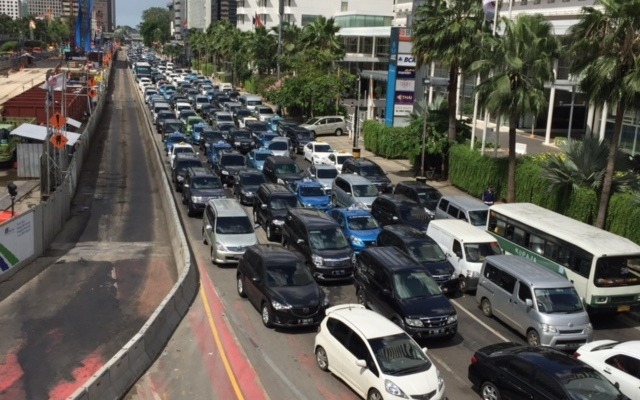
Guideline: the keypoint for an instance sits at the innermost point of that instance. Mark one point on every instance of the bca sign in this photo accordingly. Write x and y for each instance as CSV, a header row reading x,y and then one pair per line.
x,y
407,60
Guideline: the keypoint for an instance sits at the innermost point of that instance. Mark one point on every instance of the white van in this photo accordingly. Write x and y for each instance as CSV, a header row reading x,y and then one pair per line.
x,y
226,87
465,247
250,101
540,304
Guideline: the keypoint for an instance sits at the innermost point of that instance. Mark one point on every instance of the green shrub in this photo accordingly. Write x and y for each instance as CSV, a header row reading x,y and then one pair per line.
x,y
390,142
623,217
9,46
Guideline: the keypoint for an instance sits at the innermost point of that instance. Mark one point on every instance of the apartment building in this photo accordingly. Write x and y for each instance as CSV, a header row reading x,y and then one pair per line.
x,y
12,8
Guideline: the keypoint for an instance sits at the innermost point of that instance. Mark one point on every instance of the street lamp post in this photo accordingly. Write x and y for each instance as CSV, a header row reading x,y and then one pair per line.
x,y
13,192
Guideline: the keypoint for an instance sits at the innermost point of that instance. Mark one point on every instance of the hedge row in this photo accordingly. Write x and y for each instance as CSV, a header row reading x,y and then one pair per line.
x,y
389,142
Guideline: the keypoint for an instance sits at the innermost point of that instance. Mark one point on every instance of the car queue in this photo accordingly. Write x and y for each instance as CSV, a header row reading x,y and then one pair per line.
x,y
335,233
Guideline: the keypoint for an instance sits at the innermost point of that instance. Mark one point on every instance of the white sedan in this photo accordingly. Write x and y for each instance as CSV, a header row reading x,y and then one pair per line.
x,y
318,152
619,362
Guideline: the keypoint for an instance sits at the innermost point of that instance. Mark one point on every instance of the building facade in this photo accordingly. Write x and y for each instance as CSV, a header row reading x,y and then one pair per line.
x,y
45,8
198,14
12,8
224,10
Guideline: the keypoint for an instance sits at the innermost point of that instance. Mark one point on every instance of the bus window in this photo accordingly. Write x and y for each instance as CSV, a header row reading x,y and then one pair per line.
x,y
536,244
551,250
519,236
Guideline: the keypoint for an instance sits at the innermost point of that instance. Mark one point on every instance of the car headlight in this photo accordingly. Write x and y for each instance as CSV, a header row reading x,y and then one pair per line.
x,y
413,322
277,222
236,143
225,172
220,247
589,327
307,204
549,328
197,199
280,306
452,318
440,381
393,389
317,260
356,241
246,193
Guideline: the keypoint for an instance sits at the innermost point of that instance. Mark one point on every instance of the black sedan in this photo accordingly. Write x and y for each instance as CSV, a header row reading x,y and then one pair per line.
x,y
280,286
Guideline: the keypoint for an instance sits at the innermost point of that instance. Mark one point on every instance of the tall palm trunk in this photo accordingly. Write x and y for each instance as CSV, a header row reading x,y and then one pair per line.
x,y
511,178
605,195
452,101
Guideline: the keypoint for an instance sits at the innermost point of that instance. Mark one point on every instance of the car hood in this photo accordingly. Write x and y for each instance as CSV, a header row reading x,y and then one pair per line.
x,y
420,382
439,267
288,178
378,179
368,235
237,240
315,200
249,188
212,193
427,306
280,152
233,170
333,254
365,200
419,225
310,295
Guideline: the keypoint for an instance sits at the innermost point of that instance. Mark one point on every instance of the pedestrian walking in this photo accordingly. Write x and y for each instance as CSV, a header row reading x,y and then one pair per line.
x,y
488,197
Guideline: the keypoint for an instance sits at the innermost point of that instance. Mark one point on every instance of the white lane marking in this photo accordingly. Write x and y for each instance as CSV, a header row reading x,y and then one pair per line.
x,y
504,339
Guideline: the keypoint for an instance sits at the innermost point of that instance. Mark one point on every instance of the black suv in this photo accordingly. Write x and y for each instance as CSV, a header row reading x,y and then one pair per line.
x,y
269,275
370,170
228,165
390,282
181,164
200,185
270,205
320,241
424,250
241,140
246,184
425,195
171,125
209,138
298,136
389,209
281,169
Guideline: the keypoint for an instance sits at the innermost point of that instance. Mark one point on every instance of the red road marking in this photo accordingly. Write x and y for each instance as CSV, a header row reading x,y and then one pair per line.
x,y
90,365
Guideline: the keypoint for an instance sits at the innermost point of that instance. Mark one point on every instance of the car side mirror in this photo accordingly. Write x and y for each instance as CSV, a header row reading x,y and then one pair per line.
x,y
528,302
263,206
348,193
300,241
424,350
208,227
361,363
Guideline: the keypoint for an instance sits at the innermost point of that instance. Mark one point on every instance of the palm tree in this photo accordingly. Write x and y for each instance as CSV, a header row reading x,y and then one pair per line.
x,y
448,31
322,35
522,62
604,55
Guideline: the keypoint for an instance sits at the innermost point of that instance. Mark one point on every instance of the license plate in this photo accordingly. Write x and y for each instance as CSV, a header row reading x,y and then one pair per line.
x,y
624,308
337,272
306,321
436,331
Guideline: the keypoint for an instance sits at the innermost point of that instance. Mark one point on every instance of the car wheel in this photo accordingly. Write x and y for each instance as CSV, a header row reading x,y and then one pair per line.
x,y
489,391
266,315
240,286
269,233
374,395
212,256
462,284
190,210
322,359
485,304
255,217
361,296
533,339
338,132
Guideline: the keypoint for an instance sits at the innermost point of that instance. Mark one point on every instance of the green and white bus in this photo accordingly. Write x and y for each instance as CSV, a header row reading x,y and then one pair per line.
x,y
604,267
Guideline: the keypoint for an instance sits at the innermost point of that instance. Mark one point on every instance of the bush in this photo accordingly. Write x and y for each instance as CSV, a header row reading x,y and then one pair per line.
x,y
9,46
390,142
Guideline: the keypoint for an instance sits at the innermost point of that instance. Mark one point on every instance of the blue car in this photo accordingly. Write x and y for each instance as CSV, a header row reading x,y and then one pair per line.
x,y
256,158
168,94
358,225
196,132
215,149
311,194
173,138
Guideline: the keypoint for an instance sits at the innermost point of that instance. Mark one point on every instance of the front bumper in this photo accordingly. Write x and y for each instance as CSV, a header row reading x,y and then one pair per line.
x,y
228,256
432,331
298,317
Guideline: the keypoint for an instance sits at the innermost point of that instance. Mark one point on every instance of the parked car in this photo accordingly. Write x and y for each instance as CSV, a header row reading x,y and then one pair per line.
x,y
279,169
391,209
256,158
422,193
423,250
353,189
199,186
327,125
370,170
390,282
227,229
358,225
374,356
246,184
325,174
270,205
512,371
619,362
320,241
280,287
311,194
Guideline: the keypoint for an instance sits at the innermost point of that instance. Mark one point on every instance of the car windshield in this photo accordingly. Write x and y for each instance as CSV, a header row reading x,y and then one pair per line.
x,y
265,110
558,300
413,214
478,218
267,137
304,135
260,156
617,271
252,179
184,164
327,239
323,148
429,198
213,136
371,170
172,127
426,252
312,191
362,223
233,225
241,135
278,146
178,150
477,252
365,191
209,182
224,117
587,383
281,203
288,275
232,160
287,169
398,355
413,284
342,159
326,173
312,121
187,114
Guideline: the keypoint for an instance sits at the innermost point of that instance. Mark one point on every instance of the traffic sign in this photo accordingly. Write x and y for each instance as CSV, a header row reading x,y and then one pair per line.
x,y
57,120
59,141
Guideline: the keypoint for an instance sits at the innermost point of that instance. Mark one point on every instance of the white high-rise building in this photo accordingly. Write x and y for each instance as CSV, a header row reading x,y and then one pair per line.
x,y
11,8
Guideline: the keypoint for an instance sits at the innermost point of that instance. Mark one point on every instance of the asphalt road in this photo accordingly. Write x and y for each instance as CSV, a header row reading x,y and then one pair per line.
x,y
193,364
107,270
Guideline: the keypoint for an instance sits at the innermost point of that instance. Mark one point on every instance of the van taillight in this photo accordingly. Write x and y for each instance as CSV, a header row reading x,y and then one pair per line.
x,y
474,360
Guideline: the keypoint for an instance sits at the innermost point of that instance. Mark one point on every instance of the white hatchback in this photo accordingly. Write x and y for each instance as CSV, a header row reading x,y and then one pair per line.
x,y
619,362
374,356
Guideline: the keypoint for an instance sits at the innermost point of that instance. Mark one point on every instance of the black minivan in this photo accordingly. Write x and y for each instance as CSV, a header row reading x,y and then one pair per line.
x,y
281,169
319,240
270,204
393,284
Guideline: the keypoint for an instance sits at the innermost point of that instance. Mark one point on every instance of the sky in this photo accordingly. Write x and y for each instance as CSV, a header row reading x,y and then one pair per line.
x,y
129,12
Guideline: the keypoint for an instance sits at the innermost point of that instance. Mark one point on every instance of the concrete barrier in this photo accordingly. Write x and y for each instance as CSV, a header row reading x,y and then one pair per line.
x,y
139,361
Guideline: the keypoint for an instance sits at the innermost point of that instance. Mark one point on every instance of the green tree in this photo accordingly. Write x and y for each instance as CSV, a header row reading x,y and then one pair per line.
x,y
264,47
522,63
59,30
448,31
155,26
604,55
322,35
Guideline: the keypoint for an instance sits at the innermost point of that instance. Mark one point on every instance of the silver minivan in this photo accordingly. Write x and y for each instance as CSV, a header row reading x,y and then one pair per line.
x,y
465,208
227,229
353,189
328,125
540,304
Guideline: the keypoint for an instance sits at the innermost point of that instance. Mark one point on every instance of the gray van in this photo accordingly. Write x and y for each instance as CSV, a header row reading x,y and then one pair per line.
x,y
353,189
540,304
465,208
